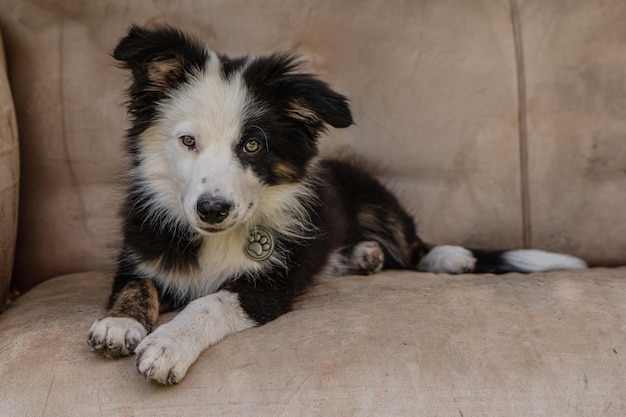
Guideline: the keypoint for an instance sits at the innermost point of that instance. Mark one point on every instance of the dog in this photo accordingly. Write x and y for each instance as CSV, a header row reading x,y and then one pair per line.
x,y
230,213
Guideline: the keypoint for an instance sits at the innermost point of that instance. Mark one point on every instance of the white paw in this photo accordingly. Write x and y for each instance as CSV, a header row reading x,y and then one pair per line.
x,y
446,259
115,336
367,257
165,356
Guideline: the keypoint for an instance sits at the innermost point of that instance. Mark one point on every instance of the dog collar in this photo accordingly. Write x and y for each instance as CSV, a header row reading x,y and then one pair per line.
x,y
260,244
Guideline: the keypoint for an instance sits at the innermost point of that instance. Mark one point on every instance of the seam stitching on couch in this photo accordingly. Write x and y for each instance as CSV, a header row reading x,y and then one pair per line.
x,y
522,121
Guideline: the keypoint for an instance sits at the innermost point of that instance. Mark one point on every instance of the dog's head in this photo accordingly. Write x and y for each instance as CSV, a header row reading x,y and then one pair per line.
x,y
210,134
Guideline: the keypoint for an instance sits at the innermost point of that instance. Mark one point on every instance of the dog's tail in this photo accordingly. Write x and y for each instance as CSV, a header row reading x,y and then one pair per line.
x,y
524,260
457,260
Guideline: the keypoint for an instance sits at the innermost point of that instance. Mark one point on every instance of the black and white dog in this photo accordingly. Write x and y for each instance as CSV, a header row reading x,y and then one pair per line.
x,y
230,214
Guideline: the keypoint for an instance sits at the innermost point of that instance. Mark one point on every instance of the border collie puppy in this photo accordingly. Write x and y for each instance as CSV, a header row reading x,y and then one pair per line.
x,y
230,214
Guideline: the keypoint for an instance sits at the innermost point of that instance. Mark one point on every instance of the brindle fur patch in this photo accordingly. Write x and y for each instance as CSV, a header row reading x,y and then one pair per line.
x,y
394,232
299,110
163,74
285,171
397,229
139,300
367,219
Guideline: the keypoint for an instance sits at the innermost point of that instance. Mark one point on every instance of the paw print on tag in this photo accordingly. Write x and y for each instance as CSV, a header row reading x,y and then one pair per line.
x,y
260,244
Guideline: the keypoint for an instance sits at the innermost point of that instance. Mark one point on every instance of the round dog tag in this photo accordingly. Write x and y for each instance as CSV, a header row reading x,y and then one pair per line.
x,y
260,244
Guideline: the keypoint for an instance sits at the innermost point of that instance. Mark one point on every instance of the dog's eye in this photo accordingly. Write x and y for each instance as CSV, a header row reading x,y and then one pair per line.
x,y
252,146
189,141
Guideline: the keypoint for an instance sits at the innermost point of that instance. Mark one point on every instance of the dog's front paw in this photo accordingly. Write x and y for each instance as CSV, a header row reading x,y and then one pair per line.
x,y
165,357
448,260
115,336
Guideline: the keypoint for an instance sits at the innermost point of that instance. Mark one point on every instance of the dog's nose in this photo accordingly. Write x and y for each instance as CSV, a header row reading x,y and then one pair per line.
x,y
211,210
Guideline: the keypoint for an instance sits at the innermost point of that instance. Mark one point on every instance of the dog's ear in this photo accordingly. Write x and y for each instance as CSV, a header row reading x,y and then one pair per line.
x,y
311,99
160,58
307,98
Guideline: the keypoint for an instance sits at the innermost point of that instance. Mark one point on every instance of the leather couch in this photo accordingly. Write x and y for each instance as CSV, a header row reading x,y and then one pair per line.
x,y
500,124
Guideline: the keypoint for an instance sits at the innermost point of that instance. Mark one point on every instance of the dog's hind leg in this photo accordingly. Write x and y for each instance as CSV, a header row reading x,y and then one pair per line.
x,y
367,258
134,311
447,259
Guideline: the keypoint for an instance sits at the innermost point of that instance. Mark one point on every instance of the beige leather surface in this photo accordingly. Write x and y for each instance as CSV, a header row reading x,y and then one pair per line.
x,y
575,55
9,181
393,344
434,89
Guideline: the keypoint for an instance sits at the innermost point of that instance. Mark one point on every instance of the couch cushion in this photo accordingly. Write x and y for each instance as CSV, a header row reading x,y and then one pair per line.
x,y
9,181
396,343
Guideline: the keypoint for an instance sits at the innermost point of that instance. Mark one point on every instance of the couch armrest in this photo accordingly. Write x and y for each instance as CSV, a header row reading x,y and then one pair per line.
x,y
9,180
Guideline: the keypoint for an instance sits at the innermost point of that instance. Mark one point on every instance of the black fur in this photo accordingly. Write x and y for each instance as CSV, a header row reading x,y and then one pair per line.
x,y
491,262
345,192
297,108
176,245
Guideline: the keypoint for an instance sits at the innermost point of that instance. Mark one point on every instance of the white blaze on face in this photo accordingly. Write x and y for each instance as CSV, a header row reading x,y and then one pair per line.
x,y
212,111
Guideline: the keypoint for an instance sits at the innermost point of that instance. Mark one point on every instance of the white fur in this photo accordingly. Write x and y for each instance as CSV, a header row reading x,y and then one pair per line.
x,y
211,110
530,260
165,355
116,334
447,259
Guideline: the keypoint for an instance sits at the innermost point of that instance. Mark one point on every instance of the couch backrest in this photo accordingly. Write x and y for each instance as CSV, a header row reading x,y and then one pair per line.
x,y
9,180
499,124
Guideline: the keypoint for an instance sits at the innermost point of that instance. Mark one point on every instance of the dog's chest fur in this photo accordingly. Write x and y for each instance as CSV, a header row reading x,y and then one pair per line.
x,y
285,214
